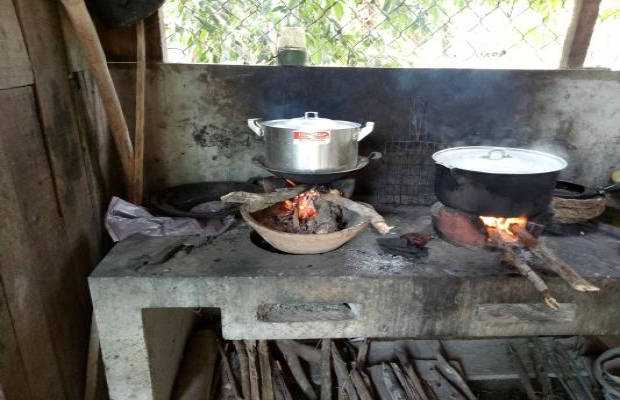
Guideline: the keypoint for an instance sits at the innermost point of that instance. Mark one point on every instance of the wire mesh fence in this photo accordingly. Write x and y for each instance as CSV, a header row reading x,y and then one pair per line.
x,y
374,33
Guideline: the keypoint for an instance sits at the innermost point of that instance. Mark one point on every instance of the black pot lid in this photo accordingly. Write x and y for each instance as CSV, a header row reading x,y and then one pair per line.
x,y
499,160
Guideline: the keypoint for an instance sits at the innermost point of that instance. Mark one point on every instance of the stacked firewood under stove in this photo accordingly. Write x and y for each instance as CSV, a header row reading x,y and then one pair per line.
x,y
330,369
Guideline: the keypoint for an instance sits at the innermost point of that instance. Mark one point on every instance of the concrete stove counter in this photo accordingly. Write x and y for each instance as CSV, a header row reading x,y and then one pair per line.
x,y
356,290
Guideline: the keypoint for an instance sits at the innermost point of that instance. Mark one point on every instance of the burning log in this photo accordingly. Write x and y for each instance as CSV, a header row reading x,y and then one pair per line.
x,y
375,218
511,257
553,262
259,201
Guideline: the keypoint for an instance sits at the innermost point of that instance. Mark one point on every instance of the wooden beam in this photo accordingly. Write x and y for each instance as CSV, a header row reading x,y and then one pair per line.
x,y
579,33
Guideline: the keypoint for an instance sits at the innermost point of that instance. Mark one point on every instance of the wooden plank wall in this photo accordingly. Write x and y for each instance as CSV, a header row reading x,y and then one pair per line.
x,y
57,173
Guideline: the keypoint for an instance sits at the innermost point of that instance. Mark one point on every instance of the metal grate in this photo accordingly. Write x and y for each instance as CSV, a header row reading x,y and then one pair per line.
x,y
409,170
376,33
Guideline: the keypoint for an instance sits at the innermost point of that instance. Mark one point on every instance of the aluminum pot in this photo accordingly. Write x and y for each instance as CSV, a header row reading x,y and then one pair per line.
x,y
496,181
310,144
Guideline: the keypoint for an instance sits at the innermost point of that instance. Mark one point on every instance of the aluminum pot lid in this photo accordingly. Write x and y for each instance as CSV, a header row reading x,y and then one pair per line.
x,y
310,122
499,160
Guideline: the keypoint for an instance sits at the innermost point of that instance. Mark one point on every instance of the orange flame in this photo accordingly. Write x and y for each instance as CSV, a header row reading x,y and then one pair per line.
x,y
504,227
303,203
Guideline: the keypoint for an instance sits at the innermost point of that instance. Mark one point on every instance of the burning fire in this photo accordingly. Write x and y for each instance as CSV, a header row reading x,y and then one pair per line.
x,y
303,204
504,227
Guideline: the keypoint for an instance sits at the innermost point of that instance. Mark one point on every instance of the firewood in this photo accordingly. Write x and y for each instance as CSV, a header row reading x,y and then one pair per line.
x,y
228,369
326,216
411,373
308,353
346,389
297,370
244,366
368,212
523,374
453,376
554,263
250,346
362,354
281,390
511,257
405,382
266,378
360,385
391,383
259,201
326,369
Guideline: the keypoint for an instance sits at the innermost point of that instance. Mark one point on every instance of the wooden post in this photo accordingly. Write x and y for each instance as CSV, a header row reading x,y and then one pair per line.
x,y
136,189
579,33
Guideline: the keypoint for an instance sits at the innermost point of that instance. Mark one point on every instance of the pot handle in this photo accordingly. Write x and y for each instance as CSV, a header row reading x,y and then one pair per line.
x,y
497,153
609,189
375,155
365,131
254,125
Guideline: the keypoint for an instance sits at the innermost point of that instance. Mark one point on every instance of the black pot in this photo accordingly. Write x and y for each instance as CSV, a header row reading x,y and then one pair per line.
x,y
506,193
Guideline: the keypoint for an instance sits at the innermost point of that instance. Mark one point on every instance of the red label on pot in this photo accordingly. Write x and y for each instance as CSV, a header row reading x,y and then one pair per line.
x,y
321,136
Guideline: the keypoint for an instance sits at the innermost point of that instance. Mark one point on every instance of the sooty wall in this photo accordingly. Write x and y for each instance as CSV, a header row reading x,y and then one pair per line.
x,y
197,114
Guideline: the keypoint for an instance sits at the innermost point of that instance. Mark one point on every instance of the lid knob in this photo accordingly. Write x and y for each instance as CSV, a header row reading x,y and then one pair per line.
x,y
496,154
311,114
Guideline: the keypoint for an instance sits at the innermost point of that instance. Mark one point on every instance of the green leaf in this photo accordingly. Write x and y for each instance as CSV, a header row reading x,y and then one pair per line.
x,y
338,10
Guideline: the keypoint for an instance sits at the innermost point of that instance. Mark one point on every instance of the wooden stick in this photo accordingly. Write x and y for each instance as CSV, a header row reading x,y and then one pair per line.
x,y
362,354
554,263
266,378
138,159
87,35
250,346
308,353
453,376
523,375
92,363
259,201
579,33
410,371
326,369
514,259
342,373
228,369
540,366
375,218
297,371
391,383
281,390
244,367
405,382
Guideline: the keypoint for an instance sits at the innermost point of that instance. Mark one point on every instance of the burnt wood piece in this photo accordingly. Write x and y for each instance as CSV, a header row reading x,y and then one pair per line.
x,y
359,384
292,359
244,367
405,382
346,389
554,263
260,201
540,366
523,374
375,218
228,369
411,374
326,369
266,378
458,227
453,376
326,216
250,346
281,390
510,255
392,384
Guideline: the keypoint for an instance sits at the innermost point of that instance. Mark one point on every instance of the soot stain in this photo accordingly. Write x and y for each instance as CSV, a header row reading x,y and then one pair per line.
x,y
225,140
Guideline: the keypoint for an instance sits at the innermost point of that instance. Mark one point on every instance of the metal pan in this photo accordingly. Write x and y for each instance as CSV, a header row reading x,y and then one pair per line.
x,y
316,178
570,190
